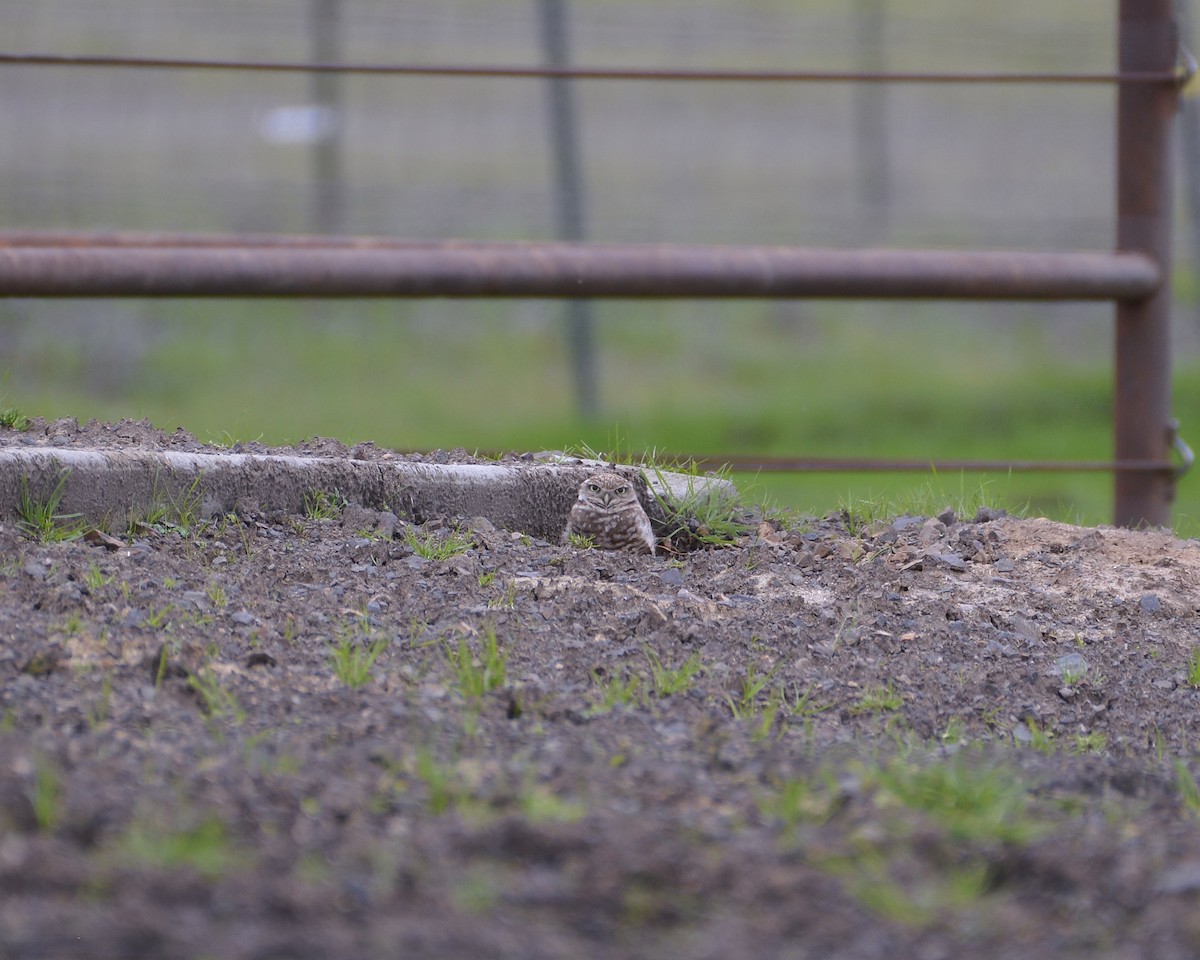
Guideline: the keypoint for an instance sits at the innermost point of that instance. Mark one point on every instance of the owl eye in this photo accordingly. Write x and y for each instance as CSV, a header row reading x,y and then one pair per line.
x,y
620,490
594,487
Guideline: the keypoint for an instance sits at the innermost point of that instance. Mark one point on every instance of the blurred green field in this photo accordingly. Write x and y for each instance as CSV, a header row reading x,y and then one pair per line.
x,y
820,379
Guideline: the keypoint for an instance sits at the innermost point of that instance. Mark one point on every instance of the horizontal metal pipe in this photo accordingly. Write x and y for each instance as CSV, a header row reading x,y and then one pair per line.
x,y
584,73
572,270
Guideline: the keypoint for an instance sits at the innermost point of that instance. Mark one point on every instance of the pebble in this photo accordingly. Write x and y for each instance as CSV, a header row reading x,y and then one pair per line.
x,y
1071,663
994,648
35,570
951,561
1150,603
671,577
1183,878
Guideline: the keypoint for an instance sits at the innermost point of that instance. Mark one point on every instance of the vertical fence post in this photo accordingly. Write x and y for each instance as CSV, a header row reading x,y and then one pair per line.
x,y
1148,41
568,179
871,123
328,206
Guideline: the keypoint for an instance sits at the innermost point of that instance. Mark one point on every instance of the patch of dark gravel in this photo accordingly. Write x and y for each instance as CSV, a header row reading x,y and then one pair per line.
x,y
931,737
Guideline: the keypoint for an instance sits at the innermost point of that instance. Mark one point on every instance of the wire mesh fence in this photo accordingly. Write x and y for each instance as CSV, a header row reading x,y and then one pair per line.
x,y
442,156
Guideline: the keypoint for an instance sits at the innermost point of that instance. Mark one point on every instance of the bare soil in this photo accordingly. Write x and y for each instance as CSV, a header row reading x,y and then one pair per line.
x,y
933,737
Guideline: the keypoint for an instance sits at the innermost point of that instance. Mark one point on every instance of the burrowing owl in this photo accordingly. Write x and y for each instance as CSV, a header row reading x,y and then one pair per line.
x,y
608,511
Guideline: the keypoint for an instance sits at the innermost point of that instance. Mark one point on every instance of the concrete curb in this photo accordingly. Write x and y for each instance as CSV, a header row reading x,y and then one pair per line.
x,y
108,486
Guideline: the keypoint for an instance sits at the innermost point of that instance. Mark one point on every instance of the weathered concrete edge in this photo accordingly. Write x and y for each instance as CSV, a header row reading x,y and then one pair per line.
x,y
108,486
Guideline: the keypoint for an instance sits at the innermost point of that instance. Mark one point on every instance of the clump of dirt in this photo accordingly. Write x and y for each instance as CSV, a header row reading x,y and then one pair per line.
x,y
269,736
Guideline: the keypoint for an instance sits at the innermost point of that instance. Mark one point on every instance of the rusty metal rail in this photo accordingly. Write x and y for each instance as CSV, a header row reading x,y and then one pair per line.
x,y
516,269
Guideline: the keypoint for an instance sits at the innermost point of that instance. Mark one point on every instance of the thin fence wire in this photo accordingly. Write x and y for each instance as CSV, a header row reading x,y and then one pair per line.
x,y
1179,77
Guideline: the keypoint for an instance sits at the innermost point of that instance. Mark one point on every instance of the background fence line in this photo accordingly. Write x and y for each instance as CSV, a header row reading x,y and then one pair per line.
x,y
1137,277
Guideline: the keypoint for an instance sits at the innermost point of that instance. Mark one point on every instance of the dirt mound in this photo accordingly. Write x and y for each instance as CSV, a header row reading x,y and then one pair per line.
x,y
278,735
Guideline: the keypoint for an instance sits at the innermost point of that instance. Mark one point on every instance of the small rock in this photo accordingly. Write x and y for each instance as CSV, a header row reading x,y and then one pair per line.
x,y
1067,693
98,538
947,516
386,525
260,659
243,618
1027,630
35,570
950,560
1183,878
1150,603
900,524
1072,663
931,530
671,577
988,514
1004,565
994,648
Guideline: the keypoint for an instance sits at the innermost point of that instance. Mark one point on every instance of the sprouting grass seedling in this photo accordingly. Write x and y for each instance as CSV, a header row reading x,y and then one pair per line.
x,y
1189,792
581,541
220,703
157,618
1193,668
205,847
666,681
97,710
352,662
13,419
41,520
753,684
475,674
615,691
1072,674
432,547
46,795
95,578
878,700
216,595
1094,742
507,600
323,505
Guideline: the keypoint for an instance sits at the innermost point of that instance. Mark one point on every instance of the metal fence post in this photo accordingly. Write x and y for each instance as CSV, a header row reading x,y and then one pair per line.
x,y
328,188
569,201
1148,42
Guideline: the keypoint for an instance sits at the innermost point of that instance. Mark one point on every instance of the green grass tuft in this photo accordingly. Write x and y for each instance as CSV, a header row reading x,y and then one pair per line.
x,y
433,546
353,662
40,518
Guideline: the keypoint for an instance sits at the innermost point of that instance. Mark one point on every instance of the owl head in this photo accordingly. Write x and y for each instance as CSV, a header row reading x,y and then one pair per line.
x,y
606,490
